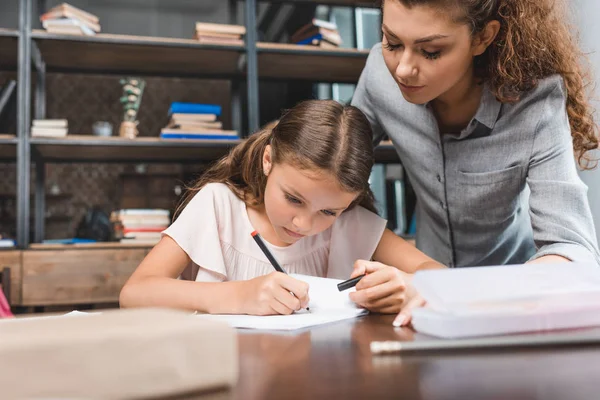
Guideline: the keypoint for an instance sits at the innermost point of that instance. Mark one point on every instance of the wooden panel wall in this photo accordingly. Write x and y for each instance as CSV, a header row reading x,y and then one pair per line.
x,y
54,277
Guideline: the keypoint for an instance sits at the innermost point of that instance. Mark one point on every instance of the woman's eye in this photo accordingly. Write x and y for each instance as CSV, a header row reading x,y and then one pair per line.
x,y
292,199
391,47
329,213
431,55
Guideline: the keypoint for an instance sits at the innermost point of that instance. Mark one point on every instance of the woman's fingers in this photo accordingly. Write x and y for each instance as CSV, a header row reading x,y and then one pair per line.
x,y
405,316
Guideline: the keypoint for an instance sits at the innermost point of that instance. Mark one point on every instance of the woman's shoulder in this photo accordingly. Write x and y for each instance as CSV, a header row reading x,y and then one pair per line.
x,y
550,86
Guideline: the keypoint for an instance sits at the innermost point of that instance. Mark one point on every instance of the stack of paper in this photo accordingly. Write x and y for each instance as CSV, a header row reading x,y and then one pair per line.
x,y
507,299
327,304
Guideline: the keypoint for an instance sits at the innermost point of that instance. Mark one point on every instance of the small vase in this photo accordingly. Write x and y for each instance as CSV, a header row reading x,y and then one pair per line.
x,y
128,129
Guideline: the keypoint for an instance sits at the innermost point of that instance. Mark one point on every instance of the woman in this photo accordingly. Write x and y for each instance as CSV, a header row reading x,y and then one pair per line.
x,y
484,100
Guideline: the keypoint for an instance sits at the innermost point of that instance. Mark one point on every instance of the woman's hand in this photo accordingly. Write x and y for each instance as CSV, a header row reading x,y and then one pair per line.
x,y
384,289
272,294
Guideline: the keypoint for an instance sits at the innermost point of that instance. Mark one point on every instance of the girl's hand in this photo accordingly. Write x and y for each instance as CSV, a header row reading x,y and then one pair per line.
x,y
272,294
384,289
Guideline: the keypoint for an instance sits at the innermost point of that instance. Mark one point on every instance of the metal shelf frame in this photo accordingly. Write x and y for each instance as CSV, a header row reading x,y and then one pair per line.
x,y
37,51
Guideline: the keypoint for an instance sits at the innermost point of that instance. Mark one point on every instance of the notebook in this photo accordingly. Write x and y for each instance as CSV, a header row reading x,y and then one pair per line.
x,y
327,304
500,300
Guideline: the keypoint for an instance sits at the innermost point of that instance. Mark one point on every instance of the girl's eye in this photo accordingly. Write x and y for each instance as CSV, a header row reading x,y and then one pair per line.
x,y
329,213
292,199
391,47
431,55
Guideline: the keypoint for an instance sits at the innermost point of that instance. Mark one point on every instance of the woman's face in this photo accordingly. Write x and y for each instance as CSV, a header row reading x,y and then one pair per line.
x,y
427,53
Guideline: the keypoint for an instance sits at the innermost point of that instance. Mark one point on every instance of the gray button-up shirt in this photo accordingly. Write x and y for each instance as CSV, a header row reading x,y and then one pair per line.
x,y
503,191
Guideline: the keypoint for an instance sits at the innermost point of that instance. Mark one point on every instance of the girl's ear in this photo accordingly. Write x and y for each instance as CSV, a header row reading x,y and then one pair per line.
x,y
266,161
484,38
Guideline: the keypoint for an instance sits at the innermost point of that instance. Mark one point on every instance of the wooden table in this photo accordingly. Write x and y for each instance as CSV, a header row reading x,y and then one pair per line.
x,y
334,362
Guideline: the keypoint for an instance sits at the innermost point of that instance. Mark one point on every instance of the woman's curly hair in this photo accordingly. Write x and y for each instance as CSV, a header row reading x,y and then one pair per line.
x,y
535,41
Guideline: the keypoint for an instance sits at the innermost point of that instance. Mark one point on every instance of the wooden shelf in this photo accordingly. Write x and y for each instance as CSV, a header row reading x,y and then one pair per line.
x,y
290,61
342,3
126,54
88,148
8,147
88,246
8,49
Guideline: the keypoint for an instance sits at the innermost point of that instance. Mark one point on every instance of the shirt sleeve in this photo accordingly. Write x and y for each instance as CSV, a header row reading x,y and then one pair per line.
x,y
196,231
354,236
362,97
560,213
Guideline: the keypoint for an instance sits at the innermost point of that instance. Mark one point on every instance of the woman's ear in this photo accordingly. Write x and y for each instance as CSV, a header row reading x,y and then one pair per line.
x,y
484,38
266,161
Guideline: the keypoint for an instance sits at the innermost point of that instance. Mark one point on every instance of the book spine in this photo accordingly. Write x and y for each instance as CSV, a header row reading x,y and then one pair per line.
x,y
193,108
198,137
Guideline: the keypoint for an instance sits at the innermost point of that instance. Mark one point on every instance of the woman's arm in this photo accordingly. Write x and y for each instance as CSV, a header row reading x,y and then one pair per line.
x,y
394,251
154,284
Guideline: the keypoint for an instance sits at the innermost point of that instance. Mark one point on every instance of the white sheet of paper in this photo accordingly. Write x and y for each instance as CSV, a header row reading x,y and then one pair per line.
x,y
327,304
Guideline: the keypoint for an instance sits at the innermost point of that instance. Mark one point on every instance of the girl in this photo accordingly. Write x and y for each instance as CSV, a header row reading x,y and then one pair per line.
x,y
303,185
484,101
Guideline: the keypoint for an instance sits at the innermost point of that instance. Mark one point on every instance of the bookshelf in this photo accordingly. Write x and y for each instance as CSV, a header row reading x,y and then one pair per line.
x,y
138,55
8,49
88,148
42,269
290,61
8,147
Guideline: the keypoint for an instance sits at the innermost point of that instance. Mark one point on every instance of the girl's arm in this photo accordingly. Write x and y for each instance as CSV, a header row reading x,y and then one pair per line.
x,y
154,284
387,288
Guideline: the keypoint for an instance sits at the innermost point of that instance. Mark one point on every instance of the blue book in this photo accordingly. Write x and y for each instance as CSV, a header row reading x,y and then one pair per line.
x,y
194,108
198,136
316,38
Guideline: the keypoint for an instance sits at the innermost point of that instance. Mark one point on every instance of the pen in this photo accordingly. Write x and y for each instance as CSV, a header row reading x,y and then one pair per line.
x,y
264,249
349,283
272,259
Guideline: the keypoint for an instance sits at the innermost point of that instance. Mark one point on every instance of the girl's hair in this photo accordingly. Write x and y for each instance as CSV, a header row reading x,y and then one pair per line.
x,y
534,42
319,135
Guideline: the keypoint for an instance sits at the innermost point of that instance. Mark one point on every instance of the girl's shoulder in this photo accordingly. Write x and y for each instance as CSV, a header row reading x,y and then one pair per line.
x,y
217,197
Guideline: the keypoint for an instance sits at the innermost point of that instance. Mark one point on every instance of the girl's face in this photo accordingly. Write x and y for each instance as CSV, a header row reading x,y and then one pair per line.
x,y
301,203
426,52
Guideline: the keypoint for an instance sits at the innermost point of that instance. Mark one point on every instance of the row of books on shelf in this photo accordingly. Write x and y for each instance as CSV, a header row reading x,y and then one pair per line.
x,y
66,19
196,121
139,226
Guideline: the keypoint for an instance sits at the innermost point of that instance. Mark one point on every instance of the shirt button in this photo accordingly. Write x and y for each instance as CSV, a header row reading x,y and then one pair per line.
x,y
443,205
439,178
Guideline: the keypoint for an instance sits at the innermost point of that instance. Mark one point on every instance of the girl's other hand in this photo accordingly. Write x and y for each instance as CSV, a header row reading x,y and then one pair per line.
x,y
272,294
384,289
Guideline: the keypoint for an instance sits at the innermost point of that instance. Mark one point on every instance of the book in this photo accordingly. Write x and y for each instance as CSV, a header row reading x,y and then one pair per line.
x,y
88,29
317,40
65,8
194,108
314,23
199,132
218,35
50,123
37,131
143,212
500,300
69,30
195,125
179,117
218,40
220,28
197,136
331,36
